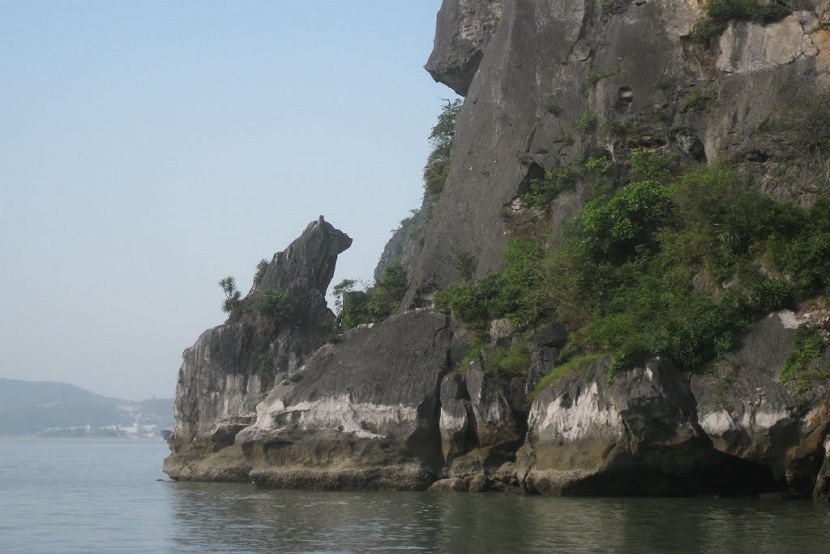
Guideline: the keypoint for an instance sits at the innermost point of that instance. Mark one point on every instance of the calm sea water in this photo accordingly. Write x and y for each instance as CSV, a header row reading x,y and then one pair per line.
x,y
103,496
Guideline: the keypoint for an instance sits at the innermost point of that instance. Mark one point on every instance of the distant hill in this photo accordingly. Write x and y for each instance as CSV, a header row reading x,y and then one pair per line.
x,y
28,407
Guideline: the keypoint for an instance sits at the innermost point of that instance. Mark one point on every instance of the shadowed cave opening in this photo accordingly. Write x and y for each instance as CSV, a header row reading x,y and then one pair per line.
x,y
719,475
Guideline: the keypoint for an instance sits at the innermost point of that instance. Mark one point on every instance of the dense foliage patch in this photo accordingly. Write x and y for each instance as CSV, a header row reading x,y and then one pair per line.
x,y
718,13
261,268
542,191
372,305
795,373
509,360
232,294
438,163
278,304
746,10
666,266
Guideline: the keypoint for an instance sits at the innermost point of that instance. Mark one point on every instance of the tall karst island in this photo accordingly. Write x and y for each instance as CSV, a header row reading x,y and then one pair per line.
x,y
617,282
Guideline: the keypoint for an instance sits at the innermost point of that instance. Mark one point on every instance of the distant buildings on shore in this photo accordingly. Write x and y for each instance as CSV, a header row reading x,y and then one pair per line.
x,y
144,426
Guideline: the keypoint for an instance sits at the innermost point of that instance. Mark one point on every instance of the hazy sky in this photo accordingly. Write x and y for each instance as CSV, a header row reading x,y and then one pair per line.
x,y
150,148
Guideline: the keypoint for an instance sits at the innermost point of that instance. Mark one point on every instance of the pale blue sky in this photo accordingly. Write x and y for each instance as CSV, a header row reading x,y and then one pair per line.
x,y
150,148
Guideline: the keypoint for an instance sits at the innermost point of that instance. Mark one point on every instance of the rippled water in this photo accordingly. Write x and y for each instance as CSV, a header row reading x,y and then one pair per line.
x,y
82,495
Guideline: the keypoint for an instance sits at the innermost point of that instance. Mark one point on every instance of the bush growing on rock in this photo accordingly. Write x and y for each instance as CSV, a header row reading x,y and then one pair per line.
x,y
718,13
746,10
261,268
807,346
438,163
556,180
371,305
278,304
509,361
515,293
232,295
677,271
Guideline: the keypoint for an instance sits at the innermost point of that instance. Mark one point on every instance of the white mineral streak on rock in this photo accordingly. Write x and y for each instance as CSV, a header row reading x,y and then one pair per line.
x,y
789,320
768,419
237,389
762,420
451,424
751,48
335,414
497,412
718,423
584,417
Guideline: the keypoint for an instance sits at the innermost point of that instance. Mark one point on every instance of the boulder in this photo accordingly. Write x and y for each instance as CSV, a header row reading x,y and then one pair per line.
x,y
743,407
636,436
749,413
364,415
454,422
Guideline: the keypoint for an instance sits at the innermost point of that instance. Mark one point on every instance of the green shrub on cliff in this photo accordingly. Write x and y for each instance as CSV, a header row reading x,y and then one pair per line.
x,y
278,304
232,295
516,293
373,304
261,268
509,361
718,13
652,166
625,225
388,292
438,163
795,371
805,254
651,292
573,365
677,271
556,180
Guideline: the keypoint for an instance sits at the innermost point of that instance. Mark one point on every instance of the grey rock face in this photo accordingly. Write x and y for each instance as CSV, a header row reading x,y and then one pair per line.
x,y
310,259
462,31
230,367
743,408
360,414
747,412
375,382
548,64
454,422
638,436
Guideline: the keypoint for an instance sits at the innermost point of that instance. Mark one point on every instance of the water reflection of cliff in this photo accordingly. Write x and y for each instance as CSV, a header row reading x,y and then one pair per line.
x,y
240,518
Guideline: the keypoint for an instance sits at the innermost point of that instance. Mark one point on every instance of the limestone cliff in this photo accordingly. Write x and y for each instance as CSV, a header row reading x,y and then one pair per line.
x,y
399,404
633,68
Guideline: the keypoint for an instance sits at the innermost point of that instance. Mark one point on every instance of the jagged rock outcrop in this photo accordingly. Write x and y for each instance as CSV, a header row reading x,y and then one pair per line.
x,y
361,414
366,409
559,81
482,425
743,407
749,413
401,246
463,30
231,367
637,436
